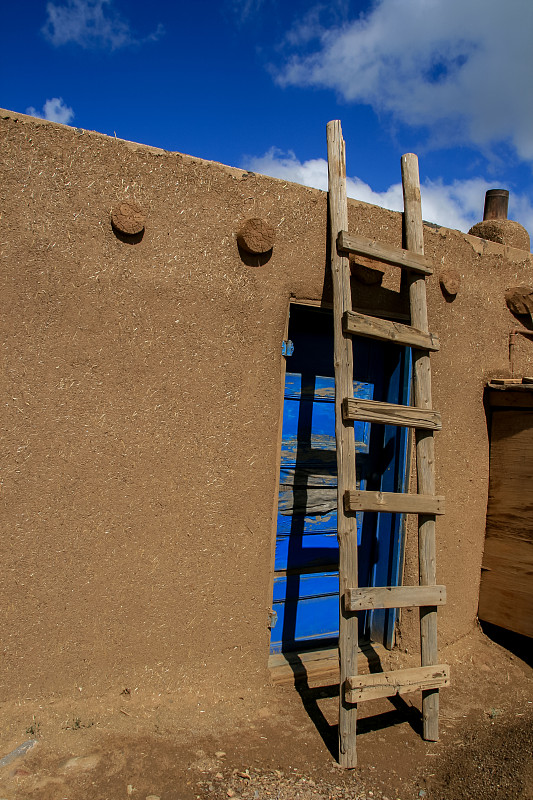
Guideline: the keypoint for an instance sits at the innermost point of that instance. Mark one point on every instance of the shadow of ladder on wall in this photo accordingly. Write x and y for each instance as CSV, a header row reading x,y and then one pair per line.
x,y
430,676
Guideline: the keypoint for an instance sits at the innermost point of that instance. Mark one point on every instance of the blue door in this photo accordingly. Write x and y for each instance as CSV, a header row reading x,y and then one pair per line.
x,y
306,578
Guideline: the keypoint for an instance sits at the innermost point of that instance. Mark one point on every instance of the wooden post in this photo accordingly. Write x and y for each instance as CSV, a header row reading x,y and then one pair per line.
x,y
425,459
344,433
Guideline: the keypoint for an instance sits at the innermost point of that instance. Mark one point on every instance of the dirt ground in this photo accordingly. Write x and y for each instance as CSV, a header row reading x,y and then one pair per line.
x,y
279,743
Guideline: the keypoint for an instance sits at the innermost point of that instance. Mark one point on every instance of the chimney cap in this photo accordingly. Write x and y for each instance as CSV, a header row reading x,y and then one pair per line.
x,y
496,204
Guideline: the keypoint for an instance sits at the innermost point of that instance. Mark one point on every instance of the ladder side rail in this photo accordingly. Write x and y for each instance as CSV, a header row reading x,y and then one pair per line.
x,y
344,433
425,459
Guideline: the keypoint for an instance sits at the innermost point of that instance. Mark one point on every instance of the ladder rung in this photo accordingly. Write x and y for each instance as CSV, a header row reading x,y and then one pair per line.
x,y
386,684
394,597
375,328
390,414
388,255
393,502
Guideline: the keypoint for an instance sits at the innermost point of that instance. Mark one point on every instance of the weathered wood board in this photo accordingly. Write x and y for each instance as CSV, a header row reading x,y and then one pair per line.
x,y
391,414
506,590
393,502
403,681
374,328
425,445
344,435
388,255
394,597
317,665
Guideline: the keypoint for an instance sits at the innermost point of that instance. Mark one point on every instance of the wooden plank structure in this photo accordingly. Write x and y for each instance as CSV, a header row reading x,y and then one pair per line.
x,y
430,676
506,589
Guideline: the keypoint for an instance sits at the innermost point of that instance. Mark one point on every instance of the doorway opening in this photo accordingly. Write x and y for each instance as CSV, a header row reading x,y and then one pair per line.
x,y
305,599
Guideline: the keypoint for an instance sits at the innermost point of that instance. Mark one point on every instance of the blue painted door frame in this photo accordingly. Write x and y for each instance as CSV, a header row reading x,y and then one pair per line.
x,y
306,583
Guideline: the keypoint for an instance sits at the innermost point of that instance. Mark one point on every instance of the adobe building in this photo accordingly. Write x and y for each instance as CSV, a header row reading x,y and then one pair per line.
x,y
150,399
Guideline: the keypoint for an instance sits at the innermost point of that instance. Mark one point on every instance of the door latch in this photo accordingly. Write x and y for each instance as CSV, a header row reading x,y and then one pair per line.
x,y
287,348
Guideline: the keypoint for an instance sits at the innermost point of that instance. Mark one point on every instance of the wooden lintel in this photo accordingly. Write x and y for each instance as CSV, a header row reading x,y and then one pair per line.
x,y
394,597
393,502
387,684
388,255
310,665
390,414
374,328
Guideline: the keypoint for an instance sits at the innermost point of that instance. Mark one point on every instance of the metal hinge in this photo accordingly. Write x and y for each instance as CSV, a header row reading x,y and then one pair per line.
x,y
272,619
287,348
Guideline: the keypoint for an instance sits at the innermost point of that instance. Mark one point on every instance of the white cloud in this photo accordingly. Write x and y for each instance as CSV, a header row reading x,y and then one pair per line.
x,y
90,23
54,110
456,205
462,68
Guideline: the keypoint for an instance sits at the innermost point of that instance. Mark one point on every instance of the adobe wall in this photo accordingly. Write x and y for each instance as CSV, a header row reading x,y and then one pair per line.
x,y
141,398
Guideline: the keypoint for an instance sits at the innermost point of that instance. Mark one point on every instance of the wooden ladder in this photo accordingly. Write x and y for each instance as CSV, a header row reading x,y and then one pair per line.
x,y
431,675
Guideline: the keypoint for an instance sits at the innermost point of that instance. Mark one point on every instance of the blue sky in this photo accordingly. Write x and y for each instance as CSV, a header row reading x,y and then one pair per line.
x,y
252,83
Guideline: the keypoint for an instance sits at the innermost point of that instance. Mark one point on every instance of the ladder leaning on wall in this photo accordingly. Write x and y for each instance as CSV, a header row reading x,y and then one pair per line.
x,y
430,676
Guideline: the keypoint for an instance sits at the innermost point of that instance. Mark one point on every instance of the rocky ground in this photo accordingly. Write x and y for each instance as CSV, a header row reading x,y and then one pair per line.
x,y
279,743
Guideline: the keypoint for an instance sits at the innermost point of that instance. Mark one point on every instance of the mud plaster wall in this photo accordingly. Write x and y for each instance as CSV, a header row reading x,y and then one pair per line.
x,y
141,397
